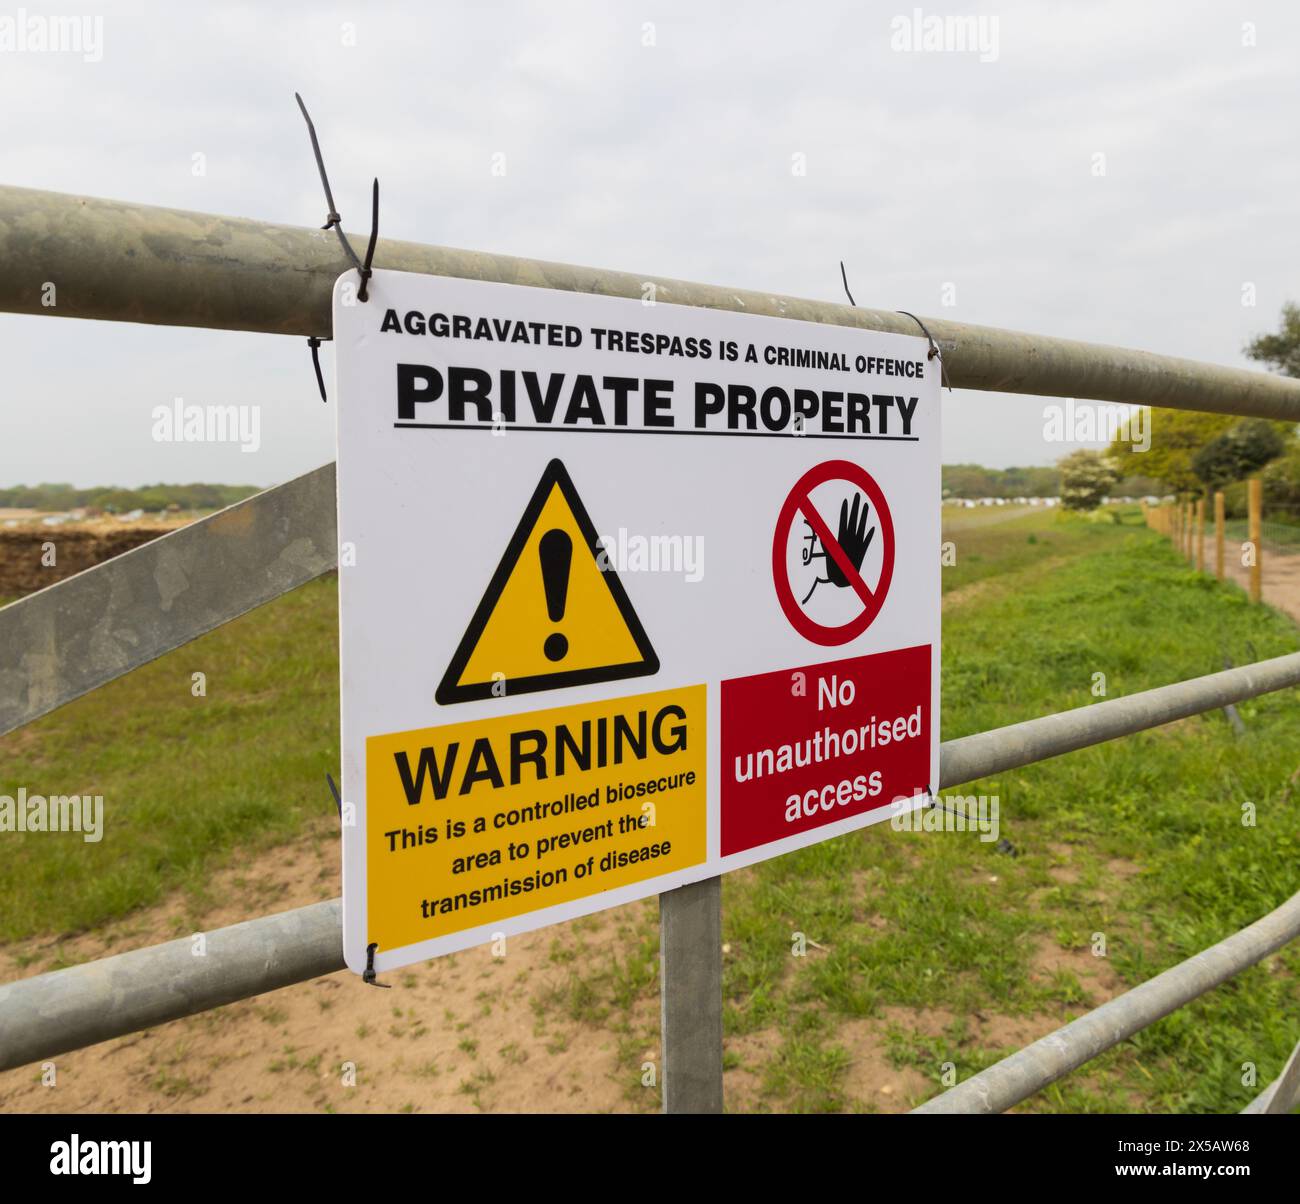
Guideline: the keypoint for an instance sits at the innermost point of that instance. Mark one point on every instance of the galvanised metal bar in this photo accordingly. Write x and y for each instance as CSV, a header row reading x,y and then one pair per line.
x,y
690,958
66,640
137,263
52,1013
1282,1094
971,757
1285,1091
1031,1069
30,1028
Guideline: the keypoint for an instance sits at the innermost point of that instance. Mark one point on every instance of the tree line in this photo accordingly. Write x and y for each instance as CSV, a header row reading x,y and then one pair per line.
x,y
113,499
976,481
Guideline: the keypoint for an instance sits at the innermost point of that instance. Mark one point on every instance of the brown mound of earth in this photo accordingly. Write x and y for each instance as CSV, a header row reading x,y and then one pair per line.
x,y
78,547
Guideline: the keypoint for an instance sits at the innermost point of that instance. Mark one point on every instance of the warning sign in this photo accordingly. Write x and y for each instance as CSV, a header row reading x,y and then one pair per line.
x,y
630,595
552,616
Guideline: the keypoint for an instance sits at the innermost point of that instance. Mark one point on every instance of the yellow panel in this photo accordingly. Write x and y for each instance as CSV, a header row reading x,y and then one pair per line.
x,y
500,817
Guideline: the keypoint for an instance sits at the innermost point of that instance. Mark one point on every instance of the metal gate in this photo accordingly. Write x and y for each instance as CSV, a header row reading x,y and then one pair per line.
x,y
133,263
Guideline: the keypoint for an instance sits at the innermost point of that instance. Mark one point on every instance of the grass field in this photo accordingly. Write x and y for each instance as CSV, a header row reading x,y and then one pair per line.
x,y
960,948
186,780
1140,840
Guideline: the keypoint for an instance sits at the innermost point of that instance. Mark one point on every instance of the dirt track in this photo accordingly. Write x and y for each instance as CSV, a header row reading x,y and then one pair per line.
x,y
1281,577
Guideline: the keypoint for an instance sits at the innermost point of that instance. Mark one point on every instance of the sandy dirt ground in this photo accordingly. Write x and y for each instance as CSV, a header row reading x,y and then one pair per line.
x,y
461,1034
1280,577
464,1033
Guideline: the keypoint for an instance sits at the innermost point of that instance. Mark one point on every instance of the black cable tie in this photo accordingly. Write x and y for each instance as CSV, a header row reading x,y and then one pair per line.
x,y
934,352
368,976
314,343
845,277
334,790
374,238
332,218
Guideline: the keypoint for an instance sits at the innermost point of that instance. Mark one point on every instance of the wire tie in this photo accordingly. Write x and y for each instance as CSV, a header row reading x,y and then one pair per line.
x,y
368,977
333,220
314,343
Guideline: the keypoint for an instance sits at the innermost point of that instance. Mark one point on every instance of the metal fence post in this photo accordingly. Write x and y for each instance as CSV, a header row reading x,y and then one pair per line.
x,y
690,986
1282,1094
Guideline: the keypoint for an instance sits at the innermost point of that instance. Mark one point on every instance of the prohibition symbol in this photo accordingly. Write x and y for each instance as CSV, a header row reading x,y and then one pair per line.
x,y
839,554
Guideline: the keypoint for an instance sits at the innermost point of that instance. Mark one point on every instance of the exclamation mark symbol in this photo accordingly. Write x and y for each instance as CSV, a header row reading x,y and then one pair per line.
x,y
556,553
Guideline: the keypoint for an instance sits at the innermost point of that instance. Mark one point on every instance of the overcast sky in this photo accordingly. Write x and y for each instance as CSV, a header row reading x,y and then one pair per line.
x,y
672,159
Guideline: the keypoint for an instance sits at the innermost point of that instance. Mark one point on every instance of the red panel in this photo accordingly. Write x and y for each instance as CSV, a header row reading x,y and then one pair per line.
x,y
793,760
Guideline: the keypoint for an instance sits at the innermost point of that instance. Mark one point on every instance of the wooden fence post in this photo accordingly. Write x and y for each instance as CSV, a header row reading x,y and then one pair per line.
x,y
1200,535
1218,535
1255,497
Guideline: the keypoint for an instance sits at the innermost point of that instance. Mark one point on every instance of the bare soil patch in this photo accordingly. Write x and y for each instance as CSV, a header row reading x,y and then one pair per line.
x,y
77,546
461,1034
1279,576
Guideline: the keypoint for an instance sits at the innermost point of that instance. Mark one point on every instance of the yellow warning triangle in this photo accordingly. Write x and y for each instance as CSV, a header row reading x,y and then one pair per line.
x,y
551,616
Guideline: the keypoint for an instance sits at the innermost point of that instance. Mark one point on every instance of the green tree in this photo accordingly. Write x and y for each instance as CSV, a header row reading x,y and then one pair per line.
x,y
967,480
1280,351
1281,484
1086,478
1240,451
1176,437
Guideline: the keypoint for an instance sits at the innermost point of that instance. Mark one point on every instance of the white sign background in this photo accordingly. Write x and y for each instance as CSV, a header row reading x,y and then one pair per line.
x,y
429,513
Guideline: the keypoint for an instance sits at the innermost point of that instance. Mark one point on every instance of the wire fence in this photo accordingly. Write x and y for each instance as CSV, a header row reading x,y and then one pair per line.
x,y
1282,532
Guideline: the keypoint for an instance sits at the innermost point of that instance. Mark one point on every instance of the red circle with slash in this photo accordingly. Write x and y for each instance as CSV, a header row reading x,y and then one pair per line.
x,y
800,502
